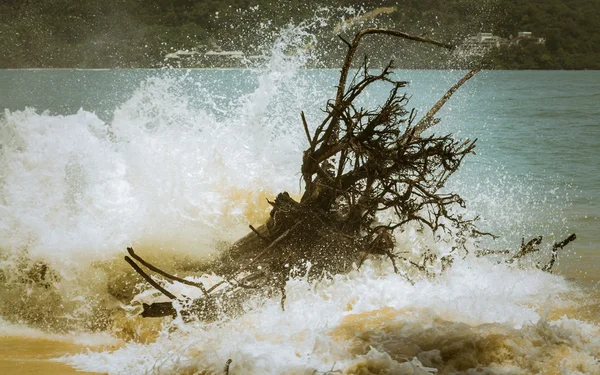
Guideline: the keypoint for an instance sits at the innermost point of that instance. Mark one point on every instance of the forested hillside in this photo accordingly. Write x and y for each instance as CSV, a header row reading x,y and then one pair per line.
x,y
571,29
140,33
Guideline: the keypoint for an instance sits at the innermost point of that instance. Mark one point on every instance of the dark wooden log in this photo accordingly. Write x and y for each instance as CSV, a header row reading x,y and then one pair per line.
x,y
158,310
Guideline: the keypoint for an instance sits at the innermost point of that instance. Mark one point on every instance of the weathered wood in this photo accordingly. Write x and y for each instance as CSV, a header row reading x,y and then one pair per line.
x,y
557,246
528,248
148,279
161,272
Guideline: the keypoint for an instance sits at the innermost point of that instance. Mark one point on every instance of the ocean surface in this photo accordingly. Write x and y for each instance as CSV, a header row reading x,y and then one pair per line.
x,y
176,162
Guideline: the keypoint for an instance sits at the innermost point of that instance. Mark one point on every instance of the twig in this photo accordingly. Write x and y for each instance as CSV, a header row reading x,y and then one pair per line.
x,y
310,140
345,41
354,46
554,257
275,242
216,286
163,273
429,121
564,242
258,234
528,248
480,253
480,233
149,279
348,61
227,364
283,296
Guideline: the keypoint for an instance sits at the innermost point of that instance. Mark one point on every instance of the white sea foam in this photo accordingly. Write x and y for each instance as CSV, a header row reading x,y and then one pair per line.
x,y
161,172
375,319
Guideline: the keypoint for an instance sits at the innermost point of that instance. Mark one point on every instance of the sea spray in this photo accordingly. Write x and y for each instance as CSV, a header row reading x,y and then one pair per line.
x,y
177,171
478,315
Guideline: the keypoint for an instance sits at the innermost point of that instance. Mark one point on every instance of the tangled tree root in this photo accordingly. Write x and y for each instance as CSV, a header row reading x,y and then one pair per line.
x,y
359,163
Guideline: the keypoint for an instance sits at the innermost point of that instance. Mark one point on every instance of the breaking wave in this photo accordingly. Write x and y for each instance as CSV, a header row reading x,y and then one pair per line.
x,y
179,172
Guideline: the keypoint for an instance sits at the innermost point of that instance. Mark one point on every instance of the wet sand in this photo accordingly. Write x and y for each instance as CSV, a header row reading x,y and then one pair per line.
x,y
34,355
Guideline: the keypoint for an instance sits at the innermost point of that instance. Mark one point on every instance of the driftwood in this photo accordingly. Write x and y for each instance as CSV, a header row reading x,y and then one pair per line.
x,y
529,248
557,246
359,163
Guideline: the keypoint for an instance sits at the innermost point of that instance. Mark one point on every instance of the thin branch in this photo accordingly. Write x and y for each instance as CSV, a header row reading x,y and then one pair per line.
x,y
371,31
163,273
429,119
565,242
227,364
348,62
283,296
345,41
554,257
485,252
311,141
258,233
148,279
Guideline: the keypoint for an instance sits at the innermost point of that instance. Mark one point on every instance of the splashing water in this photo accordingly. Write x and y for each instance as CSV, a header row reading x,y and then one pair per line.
x,y
477,316
180,170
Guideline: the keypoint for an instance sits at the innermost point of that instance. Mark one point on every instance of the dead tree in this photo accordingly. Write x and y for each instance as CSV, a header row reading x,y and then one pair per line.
x,y
359,163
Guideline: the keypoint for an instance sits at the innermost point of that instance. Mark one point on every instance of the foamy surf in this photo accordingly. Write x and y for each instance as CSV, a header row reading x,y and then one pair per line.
x,y
478,318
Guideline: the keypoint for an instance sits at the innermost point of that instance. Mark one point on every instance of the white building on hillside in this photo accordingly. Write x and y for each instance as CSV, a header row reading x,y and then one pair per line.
x,y
527,35
481,43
